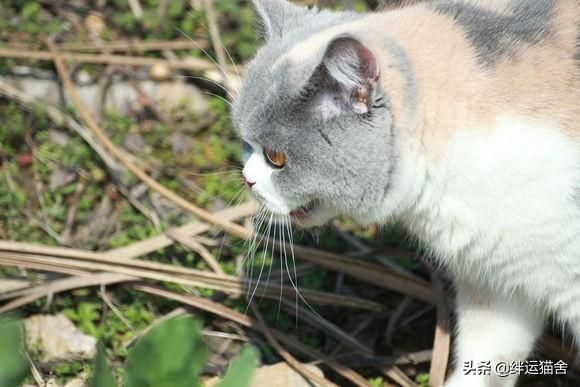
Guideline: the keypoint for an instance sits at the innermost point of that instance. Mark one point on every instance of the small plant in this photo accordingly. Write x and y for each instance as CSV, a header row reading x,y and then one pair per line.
x,y
422,379
13,364
170,355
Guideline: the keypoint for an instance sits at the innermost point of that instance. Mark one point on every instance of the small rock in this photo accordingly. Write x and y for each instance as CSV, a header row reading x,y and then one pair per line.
x,y
135,143
57,338
275,375
58,137
180,143
160,72
95,23
60,177
51,383
76,382
173,94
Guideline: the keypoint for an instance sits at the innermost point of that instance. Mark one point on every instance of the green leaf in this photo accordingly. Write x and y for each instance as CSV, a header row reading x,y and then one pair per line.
x,y
422,379
13,363
102,375
240,371
171,355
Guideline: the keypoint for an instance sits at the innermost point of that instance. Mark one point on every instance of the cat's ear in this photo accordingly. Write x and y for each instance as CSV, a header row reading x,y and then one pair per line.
x,y
278,16
346,79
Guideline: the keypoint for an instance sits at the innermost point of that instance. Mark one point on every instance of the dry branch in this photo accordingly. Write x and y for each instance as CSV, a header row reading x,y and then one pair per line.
x,y
86,261
291,360
133,45
191,63
198,248
144,247
135,250
62,285
442,340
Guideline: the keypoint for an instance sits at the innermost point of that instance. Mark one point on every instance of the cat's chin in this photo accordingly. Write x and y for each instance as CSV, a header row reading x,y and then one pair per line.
x,y
316,217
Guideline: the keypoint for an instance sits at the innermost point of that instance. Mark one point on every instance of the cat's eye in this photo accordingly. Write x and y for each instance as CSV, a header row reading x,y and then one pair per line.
x,y
275,158
247,151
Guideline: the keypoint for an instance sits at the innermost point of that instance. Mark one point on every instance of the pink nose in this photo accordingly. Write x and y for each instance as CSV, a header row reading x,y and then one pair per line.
x,y
249,181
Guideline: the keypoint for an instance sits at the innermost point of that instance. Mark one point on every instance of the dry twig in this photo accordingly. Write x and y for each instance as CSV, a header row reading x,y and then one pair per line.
x,y
191,63
291,360
442,339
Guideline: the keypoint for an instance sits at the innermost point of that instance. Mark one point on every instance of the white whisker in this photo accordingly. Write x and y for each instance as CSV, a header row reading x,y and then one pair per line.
x,y
225,74
211,81
224,47
262,266
218,96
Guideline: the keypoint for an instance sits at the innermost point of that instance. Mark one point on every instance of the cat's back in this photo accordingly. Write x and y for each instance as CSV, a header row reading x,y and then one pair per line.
x,y
484,58
499,89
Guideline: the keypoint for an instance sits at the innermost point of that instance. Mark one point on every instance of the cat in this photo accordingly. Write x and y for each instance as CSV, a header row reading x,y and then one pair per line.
x,y
461,118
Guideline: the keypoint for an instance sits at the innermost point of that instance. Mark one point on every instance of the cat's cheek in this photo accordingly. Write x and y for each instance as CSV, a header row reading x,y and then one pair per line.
x,y
258,171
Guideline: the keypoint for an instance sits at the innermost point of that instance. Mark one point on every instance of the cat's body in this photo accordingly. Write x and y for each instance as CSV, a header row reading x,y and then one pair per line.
x,y
462,118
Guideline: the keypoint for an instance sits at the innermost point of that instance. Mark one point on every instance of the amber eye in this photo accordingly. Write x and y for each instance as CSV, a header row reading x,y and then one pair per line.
x,y
276,158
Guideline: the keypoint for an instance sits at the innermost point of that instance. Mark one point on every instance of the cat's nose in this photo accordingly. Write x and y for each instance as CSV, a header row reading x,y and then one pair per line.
x,y
249,182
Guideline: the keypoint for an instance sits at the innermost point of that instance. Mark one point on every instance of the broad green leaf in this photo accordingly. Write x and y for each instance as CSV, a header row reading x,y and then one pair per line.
x,y
241,370
13,363
171,355
102,375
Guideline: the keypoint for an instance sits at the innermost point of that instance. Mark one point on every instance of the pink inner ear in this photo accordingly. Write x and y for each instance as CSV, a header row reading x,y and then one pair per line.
x,y
368,62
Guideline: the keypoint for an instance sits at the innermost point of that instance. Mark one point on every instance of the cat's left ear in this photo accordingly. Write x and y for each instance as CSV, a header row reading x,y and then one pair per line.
x,y
346,79
279,16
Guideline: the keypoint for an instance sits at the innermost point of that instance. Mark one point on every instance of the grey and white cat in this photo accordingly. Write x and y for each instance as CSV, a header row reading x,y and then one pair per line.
x,y
459,117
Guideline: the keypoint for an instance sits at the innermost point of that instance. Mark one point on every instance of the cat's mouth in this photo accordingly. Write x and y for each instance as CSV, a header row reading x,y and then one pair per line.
x,y
306,210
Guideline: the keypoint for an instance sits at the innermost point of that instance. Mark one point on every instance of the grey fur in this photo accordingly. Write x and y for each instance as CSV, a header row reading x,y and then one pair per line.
x,y
343,161
278,16
495,35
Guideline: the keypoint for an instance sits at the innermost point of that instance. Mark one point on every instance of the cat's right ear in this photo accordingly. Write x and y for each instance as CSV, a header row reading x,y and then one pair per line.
x,y
278,16
346,80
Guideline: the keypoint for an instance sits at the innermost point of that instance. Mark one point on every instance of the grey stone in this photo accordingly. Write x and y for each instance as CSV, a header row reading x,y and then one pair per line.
x,y
57,338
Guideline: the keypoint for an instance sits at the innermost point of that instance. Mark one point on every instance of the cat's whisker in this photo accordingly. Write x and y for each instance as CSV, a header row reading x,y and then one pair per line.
x,y
291,241
224,47
296,287
283,255
224,73
211,81
262,266
239,200
252,246
219,97
237,171
269,273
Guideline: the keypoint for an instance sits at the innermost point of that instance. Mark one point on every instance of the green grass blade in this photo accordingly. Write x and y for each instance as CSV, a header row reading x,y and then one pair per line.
x,y
13,363
102,375
241,370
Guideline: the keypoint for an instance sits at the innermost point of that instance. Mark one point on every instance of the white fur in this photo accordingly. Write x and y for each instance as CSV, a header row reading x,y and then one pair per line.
x,y
257,169
501,212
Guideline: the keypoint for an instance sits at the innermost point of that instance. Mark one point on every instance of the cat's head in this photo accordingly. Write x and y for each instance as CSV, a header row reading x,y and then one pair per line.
x,y
313,117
